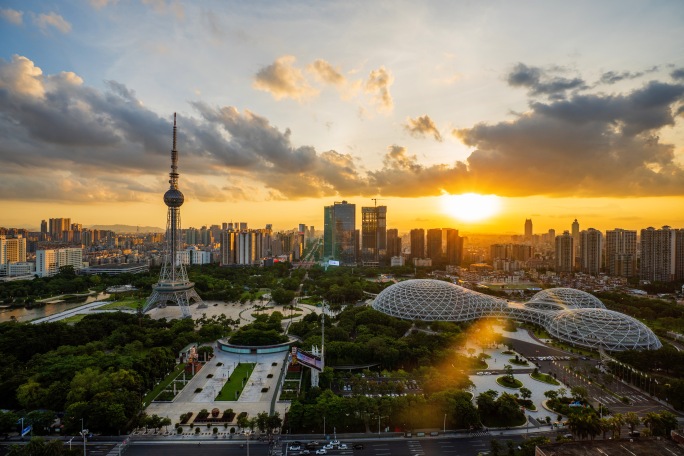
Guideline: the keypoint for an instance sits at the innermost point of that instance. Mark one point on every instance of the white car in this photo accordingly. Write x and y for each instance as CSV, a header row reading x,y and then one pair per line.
x,y
343,446
295,448
328,446
321,451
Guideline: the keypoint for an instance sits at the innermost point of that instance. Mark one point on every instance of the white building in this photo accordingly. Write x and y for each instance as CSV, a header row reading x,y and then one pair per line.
x,y
48,262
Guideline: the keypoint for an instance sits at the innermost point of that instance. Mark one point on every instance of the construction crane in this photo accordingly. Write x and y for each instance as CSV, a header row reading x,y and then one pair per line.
x,y
375,200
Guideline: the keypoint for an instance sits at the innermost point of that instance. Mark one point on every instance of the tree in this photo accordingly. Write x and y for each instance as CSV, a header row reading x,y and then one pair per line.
x,y
509,373
525,393
579,393
552,395
632,420
616,423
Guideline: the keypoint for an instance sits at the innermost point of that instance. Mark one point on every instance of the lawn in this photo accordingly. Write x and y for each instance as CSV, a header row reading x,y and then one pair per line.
x,y
545,378
163,384
504,381
126,303
231,390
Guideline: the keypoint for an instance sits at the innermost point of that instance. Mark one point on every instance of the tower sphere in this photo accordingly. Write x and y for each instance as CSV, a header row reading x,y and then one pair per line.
x,y
173,198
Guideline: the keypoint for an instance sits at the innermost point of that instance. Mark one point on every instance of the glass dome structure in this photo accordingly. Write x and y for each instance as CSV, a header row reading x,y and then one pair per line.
x,y
602,328
564,298
434,300
570,315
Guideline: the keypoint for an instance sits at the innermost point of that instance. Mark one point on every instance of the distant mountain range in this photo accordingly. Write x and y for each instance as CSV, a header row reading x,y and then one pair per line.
x,y
129,228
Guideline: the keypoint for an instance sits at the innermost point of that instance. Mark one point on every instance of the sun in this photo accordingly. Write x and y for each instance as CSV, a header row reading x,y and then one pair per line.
x,y
471,207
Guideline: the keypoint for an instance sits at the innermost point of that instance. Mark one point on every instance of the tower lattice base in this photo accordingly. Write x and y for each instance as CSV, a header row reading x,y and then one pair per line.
x,y
180,297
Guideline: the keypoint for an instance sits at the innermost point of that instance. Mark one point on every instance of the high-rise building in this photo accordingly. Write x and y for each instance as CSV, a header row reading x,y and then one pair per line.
x,y
528,229
393,243
417,243
48,262
373,234
576,236
434,244
565,252
679,254
621,248
12,250
591,249
454,247
658,254
173,285
59,225
340,238
228,247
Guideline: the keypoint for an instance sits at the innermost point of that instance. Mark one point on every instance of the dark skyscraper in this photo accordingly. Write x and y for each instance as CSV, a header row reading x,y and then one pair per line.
x,y
339,232
434,244
393,243
418,243
373,234
454,247
173,285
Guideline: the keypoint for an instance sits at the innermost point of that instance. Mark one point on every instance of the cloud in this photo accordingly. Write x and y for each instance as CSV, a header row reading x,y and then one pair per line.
x,y
611,77
587,145
163,7
283,80
423,126
326,72
678,74
539,82
12,16
117,149
52,19
378,84
99,4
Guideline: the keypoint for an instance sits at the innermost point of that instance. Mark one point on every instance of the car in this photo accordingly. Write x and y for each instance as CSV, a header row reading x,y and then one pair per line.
x,y
295,448
358,446
328,446
335,442
322,451
480,373
488,373
343,446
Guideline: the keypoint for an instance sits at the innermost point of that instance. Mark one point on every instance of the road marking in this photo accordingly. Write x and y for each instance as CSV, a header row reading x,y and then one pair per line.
x,y
633,454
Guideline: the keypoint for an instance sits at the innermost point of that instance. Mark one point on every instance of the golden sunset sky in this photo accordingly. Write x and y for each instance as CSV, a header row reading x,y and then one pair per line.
x,y
562,110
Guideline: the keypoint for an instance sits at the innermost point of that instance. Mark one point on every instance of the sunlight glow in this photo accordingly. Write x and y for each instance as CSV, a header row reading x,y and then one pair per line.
x,y
471,207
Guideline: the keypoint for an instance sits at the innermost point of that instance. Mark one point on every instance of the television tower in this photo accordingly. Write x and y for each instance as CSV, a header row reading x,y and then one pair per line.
x,y
173,286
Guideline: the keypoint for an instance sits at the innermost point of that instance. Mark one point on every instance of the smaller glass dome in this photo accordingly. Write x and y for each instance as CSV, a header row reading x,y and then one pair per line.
x,y
602,328
564,298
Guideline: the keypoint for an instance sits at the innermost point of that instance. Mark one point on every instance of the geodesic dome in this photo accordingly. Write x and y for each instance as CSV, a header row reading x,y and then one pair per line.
x,y
602,328
569,315
431,300
564,298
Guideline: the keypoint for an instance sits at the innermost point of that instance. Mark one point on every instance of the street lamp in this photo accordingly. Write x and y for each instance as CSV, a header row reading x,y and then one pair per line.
x,y
84,432
445,422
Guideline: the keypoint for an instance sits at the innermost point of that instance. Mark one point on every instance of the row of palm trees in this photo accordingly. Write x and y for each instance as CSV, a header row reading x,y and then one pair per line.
x,y
590,425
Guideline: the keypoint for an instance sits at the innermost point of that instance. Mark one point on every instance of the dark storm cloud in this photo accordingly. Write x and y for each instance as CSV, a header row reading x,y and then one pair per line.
x,y
586,145
678,74
611,77
539,82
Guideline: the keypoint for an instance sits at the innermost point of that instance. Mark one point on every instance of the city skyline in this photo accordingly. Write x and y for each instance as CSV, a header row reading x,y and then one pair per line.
x,y
405,103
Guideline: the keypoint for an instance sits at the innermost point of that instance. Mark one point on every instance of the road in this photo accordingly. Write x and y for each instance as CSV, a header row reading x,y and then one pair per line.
x,y
640,401
425,446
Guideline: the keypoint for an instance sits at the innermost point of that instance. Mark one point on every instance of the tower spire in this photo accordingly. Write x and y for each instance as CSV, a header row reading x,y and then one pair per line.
x,y
173,285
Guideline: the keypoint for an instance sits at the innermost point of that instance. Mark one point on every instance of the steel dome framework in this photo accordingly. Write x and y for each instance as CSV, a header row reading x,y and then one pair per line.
x,y
570,315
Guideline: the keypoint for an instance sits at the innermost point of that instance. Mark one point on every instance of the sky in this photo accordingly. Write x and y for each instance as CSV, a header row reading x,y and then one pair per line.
x,y
562,110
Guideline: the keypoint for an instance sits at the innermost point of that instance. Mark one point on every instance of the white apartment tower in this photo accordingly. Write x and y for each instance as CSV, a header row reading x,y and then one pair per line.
x,y
48,262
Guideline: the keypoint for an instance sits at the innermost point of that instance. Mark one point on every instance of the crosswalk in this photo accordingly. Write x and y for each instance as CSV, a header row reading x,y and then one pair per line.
x,y
381,449
415,448
633,399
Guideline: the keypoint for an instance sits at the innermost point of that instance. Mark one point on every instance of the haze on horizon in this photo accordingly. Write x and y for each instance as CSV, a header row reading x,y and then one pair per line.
x,y
562,110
